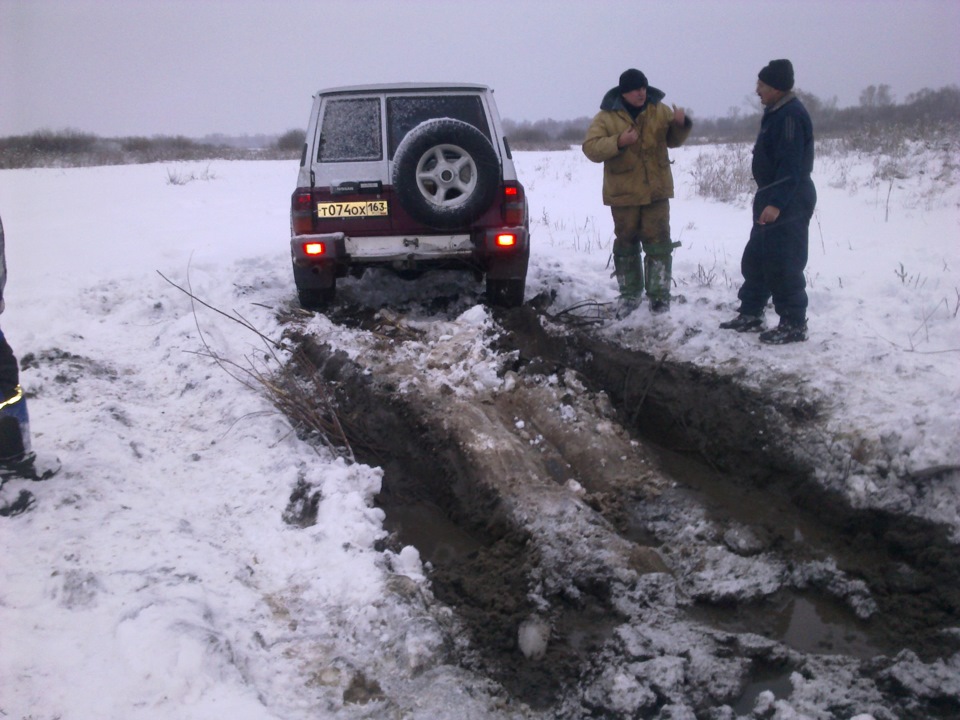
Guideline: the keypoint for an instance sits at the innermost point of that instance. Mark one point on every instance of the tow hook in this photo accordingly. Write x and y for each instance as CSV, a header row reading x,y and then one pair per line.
x,y
411,242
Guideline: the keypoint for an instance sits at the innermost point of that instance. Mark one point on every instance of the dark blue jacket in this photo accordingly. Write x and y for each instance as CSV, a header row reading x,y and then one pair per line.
x,y
3,267
783,158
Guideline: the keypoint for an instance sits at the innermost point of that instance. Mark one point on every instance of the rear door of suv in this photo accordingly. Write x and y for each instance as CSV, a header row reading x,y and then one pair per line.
x,y
354,152
350,166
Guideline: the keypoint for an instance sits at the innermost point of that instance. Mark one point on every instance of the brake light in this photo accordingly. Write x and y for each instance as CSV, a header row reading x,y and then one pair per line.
x,y
301,212
506,240
314,248
514,205
302,201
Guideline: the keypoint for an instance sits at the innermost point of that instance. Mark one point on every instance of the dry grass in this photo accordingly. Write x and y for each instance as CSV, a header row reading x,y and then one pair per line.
x,y
294,386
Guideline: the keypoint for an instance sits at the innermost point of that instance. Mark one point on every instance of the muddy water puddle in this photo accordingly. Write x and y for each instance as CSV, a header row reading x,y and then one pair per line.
x,y
810,624
427,527
753,521
726,499
776,681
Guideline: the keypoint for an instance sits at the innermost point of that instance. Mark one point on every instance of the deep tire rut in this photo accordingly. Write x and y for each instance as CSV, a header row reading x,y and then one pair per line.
x,y
574,489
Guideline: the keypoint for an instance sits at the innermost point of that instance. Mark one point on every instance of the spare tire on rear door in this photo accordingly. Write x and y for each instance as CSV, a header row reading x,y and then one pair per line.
x,y
445,173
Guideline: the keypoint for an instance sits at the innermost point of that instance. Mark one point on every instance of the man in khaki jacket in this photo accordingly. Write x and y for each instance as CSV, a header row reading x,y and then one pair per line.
x,y
630,136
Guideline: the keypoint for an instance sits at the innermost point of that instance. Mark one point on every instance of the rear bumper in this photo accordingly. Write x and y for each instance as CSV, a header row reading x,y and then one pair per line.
x,y
480,251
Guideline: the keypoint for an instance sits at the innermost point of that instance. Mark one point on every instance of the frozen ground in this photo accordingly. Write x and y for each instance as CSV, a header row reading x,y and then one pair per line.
x,y
156,577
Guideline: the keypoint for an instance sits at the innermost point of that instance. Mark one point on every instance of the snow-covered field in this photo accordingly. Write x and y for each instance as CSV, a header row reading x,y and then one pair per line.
x,y
156,578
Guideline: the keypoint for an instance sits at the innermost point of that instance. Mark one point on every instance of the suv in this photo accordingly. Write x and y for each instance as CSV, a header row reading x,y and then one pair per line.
x,y
407,177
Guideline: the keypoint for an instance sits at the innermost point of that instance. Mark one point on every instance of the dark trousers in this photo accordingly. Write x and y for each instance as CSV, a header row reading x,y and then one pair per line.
x,y
773,263
9,370
14,422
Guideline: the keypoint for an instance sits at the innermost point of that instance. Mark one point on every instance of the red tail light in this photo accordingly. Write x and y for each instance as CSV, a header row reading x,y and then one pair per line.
x,y
514,205
506,240
302,201
301,212
314,249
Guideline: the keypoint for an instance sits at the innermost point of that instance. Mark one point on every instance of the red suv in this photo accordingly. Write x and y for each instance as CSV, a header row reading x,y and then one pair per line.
x,y
407,177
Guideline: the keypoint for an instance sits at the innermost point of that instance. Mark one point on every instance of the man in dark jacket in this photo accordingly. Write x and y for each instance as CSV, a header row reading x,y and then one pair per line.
x,y
776,253
630,136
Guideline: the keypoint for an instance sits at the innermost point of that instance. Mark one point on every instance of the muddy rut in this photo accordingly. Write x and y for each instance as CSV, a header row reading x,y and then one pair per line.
x,y
608,513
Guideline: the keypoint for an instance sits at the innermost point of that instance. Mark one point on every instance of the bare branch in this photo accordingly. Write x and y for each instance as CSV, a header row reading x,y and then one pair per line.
x,y
303,398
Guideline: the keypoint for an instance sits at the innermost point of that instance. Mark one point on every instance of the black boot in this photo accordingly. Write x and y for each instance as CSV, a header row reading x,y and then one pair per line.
x,y
788,331
16,458
744,323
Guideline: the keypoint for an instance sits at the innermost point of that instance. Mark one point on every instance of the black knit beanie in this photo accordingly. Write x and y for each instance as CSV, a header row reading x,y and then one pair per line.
x,y
632,79
778,74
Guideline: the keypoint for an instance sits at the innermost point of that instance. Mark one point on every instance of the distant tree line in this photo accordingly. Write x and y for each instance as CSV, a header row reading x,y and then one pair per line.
x,y
924,114
71,148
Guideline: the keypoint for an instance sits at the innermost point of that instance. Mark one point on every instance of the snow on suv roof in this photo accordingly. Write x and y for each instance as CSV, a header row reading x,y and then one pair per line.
x,y
403,87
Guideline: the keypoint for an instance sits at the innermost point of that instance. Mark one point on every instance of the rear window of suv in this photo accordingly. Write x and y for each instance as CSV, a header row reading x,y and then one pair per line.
x,y
350,130
404,113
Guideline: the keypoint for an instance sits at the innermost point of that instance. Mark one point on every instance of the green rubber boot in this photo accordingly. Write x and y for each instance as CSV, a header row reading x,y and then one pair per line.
x,y
658,272
629,274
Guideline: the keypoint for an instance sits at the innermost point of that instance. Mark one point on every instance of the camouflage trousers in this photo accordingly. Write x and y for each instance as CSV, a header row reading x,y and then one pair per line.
x,y
646,227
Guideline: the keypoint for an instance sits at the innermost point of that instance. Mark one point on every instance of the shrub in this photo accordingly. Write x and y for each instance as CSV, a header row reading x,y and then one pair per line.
x,y
723,173
291,141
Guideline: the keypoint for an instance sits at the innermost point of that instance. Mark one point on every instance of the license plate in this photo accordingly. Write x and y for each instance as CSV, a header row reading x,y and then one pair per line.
x,y
363,209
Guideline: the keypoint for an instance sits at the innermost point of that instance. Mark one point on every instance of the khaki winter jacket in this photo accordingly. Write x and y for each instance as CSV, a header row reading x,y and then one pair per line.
x,y
640,173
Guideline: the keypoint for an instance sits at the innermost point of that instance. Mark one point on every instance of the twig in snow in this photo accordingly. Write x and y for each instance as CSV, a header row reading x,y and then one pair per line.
x,y
306,403
569,315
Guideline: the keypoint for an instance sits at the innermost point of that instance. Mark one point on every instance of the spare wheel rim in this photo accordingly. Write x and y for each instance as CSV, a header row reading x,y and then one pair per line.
x,y
446,175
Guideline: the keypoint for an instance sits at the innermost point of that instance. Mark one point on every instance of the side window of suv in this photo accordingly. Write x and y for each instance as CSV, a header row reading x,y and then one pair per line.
x,y
350,130
404,113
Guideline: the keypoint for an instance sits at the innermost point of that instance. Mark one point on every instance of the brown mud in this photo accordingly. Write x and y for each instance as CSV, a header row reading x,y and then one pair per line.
x,y
536,508
751,457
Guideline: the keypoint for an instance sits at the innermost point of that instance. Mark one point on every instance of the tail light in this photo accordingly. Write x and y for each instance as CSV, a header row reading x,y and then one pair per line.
x,y
314,249
506,240
301,212
514,205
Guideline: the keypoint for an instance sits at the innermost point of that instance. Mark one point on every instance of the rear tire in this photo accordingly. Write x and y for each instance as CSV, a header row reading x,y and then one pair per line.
x,y
505,293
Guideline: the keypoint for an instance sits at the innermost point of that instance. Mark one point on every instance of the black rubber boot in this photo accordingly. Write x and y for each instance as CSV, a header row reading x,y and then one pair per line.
x,y
14,429
788,331
744,323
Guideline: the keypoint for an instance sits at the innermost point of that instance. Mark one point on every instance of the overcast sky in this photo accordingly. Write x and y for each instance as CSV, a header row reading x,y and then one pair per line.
x,y
147,67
